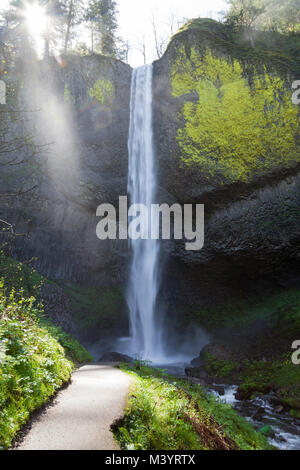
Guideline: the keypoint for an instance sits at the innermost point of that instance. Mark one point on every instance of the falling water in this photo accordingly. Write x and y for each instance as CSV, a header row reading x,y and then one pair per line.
x,y
148,337
143,281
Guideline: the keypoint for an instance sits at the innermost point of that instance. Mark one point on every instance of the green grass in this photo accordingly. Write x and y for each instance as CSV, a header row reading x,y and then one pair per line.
x,y
165,413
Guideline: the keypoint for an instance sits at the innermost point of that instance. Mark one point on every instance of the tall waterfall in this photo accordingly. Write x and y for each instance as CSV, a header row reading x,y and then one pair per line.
x,y
143,280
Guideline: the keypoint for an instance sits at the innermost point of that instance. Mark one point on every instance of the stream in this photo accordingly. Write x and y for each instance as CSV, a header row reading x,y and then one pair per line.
x,y
260,412
285,430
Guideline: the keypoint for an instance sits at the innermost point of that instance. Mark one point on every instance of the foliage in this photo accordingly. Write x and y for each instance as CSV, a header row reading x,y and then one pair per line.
x,y
33,364
72,11
19,276
263,122
281,16
244,13
220,368
281,310
103,92
73,349
36,357
101,15
165,413
274,15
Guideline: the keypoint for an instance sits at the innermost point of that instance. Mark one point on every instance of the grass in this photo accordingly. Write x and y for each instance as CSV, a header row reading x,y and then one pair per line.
x,y
165,413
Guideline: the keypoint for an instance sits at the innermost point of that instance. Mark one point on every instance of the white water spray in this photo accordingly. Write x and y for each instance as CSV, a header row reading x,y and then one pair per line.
x,y
143,280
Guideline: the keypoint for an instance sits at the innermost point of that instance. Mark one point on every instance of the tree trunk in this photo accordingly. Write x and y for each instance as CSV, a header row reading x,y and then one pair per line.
x,y
92,38
251,38
69,21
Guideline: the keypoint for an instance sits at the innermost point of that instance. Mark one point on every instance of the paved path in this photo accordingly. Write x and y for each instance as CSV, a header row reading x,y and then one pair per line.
x,y
81,415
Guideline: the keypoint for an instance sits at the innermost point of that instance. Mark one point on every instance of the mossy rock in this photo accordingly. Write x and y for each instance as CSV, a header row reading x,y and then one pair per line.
x,y
295,414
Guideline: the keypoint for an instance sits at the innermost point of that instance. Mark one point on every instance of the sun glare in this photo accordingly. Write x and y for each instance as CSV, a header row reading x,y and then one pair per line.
x,y
36,20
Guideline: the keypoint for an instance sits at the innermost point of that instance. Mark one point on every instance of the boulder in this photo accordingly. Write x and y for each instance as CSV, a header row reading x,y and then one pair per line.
x,y
217,351
219,389
198,361
199,373
116,357
258,415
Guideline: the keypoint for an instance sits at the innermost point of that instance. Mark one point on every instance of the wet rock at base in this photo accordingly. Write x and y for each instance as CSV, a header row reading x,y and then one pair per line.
x,y
279,409
116,357
217,351
198,373
219,389
258,415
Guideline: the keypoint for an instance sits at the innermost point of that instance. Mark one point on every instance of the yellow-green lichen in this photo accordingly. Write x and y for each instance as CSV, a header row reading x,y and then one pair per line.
x,y
232,130
68,98
103,92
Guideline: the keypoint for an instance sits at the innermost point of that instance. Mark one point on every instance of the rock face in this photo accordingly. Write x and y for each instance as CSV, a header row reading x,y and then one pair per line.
x,y
215,105
58,308
116,357
81,112
214,141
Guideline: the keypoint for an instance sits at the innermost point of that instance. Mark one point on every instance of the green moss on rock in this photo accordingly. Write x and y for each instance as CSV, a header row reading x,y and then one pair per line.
x,y
234,128
103,92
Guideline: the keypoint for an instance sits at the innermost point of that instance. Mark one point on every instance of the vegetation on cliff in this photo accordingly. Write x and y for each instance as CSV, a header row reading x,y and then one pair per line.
x,y
103,92
239,119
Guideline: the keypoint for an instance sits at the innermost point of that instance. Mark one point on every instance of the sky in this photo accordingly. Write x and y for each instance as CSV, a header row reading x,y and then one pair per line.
x,y
135,21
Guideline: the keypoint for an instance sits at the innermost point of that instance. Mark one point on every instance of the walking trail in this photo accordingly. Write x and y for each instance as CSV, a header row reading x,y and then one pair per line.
x,y
81,415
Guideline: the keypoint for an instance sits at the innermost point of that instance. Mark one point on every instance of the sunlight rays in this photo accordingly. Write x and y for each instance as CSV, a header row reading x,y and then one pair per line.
x,y
37,23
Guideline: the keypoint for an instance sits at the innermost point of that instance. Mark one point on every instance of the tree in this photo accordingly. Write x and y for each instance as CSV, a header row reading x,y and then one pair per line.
x,y
18,163
280,16
20,157
72,16
162,30
174,22
101,17
14,36
159,41
17,21
122,49
140,46
244,14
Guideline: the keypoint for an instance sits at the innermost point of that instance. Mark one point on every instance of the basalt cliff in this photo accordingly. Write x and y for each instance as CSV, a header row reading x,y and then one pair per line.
x,y
226,135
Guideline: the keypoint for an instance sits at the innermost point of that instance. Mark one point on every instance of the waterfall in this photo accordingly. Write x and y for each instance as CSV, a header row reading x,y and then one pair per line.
x,y
146,327
143,279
